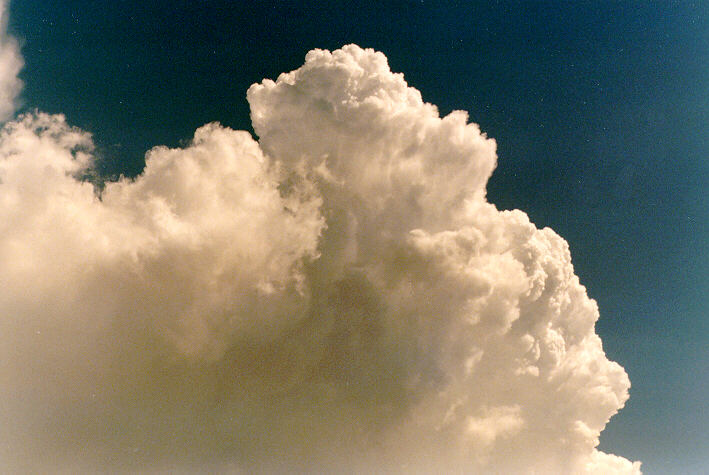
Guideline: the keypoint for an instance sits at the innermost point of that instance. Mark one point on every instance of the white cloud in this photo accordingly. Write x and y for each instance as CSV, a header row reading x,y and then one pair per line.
x,y
10,65
336,296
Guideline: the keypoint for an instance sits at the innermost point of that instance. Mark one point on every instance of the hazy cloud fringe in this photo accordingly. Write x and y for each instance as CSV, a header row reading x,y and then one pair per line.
x,y
10,65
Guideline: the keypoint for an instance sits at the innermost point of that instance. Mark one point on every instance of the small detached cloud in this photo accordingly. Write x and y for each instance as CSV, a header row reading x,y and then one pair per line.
x,y
336,296
10,65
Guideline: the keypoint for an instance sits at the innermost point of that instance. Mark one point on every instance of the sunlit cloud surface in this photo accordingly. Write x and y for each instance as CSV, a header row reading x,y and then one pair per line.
x,y
337,295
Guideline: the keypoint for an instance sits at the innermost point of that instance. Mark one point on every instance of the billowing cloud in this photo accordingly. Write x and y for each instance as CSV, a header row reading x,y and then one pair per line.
x,y
336,296
10,65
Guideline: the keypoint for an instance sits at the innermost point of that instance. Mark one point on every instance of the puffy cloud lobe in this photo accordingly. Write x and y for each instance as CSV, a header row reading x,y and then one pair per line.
x,y
338,295
346,117
160,270
10,65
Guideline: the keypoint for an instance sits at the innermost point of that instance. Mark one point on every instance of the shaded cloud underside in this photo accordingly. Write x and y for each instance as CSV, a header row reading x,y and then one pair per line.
x,y
338,295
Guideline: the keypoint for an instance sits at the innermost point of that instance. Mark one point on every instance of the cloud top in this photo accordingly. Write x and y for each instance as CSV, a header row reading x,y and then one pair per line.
x,y
338,295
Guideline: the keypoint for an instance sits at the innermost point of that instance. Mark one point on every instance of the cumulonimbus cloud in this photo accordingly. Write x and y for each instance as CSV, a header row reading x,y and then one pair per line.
x,y
336,296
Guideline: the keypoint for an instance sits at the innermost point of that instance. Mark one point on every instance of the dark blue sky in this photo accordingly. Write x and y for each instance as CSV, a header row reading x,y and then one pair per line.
x,y
600,110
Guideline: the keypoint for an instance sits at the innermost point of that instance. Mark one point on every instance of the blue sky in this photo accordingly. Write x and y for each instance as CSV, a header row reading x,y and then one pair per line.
x,y
599,110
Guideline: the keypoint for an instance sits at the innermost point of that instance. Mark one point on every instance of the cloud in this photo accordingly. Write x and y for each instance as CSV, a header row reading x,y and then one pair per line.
x,y
10,65
336,296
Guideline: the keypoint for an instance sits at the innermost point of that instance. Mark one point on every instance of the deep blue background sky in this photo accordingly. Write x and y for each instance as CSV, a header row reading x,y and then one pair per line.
x,y
600,110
